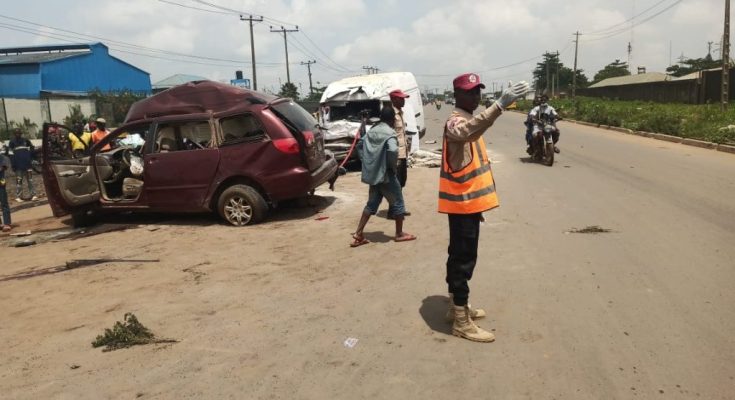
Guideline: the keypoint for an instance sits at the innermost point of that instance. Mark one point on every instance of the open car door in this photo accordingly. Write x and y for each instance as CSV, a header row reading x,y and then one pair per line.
x,y
71,184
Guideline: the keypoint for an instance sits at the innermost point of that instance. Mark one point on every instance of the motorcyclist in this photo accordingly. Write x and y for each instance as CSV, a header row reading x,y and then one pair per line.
x,y
544,111
529,124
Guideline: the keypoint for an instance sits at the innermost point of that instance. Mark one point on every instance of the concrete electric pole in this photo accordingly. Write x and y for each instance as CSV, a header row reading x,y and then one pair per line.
x,y
308,67
285,43
726,58
574,76
371,70
252,46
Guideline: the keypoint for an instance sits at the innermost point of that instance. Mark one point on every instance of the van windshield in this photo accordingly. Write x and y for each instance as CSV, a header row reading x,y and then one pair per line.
x,y
351,110
296,115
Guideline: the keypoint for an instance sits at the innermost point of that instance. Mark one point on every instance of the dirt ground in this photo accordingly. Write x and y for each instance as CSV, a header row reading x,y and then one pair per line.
x,y
236,299
642,311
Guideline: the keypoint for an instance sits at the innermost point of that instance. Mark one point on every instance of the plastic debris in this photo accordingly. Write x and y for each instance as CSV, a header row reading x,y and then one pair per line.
x,y
351,342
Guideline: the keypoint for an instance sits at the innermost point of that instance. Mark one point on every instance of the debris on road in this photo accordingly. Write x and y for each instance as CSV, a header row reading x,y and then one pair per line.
x,y
26,233
425,159
322,218
127,334
593,229
351,342
430,141
23,243
67,266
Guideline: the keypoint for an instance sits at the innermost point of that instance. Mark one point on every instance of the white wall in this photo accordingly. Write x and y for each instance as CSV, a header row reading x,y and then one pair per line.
x,y
36,110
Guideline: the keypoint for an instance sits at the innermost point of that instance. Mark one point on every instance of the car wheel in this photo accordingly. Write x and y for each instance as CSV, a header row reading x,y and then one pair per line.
x,y
241,205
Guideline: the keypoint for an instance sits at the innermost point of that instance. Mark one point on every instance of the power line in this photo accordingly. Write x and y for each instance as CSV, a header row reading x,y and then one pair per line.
x,y
623,30
609,28
193,8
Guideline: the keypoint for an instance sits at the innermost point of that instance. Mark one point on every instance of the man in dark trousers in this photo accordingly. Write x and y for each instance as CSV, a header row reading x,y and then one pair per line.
x,y
22,155
466,190
6,223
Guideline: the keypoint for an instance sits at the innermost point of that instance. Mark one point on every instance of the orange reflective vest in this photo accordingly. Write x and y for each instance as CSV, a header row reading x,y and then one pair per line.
x,y
470,190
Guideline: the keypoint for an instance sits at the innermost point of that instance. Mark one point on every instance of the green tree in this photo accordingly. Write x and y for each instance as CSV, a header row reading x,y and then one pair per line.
x,y
689,65
316,95
114,106
75,115
612,70
289,90
556,68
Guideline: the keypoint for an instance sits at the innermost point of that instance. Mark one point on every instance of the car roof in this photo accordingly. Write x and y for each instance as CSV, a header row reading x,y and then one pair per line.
x,y
195,98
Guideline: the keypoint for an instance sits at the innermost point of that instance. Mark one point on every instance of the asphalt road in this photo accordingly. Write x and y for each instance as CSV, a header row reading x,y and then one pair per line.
x,y
645,310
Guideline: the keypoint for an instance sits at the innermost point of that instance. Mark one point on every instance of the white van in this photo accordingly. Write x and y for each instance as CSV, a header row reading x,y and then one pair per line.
x,y
344,101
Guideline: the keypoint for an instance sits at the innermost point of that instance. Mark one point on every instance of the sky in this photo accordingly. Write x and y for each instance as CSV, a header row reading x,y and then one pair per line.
x,y
435,40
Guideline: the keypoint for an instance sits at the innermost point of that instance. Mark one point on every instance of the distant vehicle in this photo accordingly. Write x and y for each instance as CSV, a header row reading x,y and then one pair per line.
x,y
348,98
202,146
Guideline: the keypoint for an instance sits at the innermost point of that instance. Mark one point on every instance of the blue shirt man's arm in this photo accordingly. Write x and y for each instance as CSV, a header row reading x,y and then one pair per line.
x,y
391,154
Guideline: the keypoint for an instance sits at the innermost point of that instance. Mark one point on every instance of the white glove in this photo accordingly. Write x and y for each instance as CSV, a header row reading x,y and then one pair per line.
x,y
514,92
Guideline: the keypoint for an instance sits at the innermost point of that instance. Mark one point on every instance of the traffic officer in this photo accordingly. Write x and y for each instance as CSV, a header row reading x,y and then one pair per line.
x,y
466,189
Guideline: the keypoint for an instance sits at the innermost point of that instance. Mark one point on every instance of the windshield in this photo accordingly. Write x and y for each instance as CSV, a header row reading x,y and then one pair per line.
x,y
352,109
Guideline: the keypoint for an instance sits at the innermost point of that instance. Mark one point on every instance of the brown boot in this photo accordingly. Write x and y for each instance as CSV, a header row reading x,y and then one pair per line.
x,y
475,313
464,327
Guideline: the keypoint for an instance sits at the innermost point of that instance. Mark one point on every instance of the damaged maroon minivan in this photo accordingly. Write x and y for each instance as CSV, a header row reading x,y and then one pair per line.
x,y
202,146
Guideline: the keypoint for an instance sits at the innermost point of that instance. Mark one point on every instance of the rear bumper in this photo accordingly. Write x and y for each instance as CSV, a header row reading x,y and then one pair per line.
x,y
300,181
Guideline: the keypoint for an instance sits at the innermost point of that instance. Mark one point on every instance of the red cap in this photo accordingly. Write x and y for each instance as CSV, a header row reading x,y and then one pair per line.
x,y
467,82
398,93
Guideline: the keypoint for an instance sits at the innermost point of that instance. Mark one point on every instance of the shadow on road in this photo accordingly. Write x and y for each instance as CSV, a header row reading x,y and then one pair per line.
x,y
432,310
377,237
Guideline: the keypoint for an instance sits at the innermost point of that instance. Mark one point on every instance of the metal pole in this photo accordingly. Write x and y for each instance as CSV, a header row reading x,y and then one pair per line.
x,y
285,43
252,47
574,77
726,58
308,67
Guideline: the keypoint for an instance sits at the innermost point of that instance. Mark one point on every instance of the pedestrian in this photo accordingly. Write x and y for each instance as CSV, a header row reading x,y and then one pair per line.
x,y
100,133
6,223
79,140
466,190
378,151
90,126
22,156
398,100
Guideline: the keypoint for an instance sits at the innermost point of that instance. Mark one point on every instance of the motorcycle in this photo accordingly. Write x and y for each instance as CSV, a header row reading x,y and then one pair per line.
x,y
542,145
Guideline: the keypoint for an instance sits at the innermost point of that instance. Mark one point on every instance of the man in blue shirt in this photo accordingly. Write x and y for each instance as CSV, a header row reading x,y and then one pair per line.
x,y
22,151
4,164
378,151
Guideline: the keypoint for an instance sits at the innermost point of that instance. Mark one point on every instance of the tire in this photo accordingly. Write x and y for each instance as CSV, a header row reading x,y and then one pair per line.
x,y
549,154
83,219
241,205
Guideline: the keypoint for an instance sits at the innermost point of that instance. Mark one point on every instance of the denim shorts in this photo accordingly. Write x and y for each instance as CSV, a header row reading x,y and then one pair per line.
x,y
391,190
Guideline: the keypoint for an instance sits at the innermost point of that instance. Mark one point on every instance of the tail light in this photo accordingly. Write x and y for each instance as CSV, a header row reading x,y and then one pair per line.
x,y
288,145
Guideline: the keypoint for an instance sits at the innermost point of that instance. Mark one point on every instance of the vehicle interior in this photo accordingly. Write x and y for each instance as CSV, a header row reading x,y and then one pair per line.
x,y
241,128
351,110
120,170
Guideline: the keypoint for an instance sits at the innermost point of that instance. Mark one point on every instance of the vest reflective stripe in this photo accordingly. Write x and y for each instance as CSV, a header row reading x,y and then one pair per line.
x,y
471,189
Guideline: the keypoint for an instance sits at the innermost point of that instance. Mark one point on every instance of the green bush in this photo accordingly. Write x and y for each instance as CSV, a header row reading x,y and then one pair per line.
x,y
704,122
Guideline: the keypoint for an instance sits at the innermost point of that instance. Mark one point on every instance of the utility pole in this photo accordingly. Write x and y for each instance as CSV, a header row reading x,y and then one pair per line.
x,y
548,74
557,71
308,67
574,77
709,48
726,58
285,43
252,46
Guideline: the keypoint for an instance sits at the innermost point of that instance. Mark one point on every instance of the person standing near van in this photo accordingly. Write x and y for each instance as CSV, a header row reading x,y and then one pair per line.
x,y
22,157
466,190
100,133
378,151
398,99
6,223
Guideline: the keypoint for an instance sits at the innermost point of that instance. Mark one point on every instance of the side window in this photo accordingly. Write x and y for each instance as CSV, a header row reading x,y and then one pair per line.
x,y
241,128
180,136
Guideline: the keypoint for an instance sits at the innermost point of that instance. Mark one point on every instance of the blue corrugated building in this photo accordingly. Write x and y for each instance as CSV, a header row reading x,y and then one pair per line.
x,y
29,72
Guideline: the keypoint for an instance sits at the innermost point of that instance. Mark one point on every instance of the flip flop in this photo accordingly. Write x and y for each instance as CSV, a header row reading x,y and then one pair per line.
x,y
406,238
359,242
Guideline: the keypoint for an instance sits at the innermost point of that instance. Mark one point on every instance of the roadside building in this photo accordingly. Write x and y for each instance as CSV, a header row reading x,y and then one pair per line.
x,y
41,82
175,80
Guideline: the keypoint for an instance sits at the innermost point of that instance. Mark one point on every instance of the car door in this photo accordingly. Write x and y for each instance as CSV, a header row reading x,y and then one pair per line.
x,y
181,165
70,183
